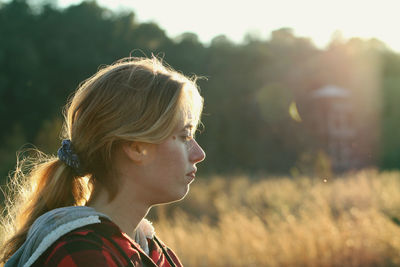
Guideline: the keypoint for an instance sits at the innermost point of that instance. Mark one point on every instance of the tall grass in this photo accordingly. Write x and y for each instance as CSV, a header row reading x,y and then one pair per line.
x,y
344,221
352,220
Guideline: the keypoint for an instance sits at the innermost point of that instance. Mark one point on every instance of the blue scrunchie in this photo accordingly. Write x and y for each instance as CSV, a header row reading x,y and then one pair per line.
x,y
67,155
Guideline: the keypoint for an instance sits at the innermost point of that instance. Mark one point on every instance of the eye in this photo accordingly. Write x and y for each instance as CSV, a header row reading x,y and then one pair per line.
x,y
187,137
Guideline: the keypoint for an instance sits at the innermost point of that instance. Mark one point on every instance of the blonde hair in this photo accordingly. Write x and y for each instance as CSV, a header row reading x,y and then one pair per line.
x,y
134,99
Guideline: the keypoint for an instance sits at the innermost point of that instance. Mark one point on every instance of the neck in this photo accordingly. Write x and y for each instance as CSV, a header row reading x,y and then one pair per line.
x,y
127,214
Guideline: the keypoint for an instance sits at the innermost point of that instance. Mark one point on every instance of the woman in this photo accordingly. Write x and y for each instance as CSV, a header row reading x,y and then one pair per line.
x,y
128,146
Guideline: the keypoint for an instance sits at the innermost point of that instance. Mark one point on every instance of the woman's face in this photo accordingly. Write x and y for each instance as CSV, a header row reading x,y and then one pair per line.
x,y
172,166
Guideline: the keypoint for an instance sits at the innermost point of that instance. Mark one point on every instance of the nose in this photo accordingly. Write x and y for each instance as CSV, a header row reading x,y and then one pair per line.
x,y
196,153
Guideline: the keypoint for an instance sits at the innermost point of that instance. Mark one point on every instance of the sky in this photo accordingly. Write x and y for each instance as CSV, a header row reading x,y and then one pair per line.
x,y
317,19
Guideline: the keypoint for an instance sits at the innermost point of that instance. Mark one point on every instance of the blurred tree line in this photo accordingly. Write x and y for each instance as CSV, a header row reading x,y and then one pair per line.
x,y
45,52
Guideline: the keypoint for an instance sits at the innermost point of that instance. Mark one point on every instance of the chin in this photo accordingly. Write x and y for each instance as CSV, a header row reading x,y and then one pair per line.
x,y
178,196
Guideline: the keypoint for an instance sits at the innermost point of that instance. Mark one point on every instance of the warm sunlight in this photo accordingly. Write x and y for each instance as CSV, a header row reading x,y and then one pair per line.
x,y
310,18
293,158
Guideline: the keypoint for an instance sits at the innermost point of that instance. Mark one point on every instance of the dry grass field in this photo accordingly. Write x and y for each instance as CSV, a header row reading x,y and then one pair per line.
x,y
344,221
353,220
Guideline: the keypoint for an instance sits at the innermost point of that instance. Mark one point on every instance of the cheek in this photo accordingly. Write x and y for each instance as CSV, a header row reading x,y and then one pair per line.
x,y
171,155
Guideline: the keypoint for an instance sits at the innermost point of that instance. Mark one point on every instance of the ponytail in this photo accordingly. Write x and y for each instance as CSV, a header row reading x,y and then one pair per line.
x,y
49,184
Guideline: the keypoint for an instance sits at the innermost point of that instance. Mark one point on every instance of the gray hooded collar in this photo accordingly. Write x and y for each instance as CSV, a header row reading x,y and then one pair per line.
x,y
48,228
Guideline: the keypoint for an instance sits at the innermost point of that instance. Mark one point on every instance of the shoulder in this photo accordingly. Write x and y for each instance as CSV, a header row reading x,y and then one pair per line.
x,y
92,245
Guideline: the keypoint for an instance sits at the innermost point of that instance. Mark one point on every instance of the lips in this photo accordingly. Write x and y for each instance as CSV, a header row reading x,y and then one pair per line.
x,y
192,174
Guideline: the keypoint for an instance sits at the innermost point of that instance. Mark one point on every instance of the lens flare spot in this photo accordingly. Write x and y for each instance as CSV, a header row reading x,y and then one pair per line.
x,y
293,112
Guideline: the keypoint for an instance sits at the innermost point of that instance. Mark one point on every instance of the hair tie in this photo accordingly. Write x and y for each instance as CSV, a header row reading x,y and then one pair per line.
x,y
68,156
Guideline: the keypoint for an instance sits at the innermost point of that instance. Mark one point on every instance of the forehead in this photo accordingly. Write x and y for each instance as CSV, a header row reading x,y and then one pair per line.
x,y
186,122
190,108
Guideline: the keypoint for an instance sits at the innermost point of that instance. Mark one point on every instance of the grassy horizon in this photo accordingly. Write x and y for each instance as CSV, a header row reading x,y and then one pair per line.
x,y
351,220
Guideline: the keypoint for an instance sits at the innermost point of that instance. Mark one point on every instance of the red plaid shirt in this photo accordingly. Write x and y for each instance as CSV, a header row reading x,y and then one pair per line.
x,y
102,245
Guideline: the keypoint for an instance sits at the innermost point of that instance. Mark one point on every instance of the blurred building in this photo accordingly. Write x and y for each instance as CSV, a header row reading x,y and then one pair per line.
x,y
334,127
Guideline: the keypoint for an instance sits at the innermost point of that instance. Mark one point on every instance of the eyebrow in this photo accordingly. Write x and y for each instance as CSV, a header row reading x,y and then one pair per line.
x,y
188,126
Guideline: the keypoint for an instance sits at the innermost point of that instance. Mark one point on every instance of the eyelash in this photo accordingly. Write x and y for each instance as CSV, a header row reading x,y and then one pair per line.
x,y
187,137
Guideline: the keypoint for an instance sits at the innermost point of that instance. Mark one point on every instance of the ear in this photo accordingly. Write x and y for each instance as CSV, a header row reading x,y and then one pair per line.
x,y
136,151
